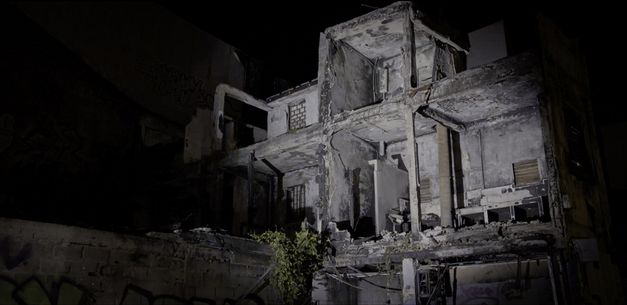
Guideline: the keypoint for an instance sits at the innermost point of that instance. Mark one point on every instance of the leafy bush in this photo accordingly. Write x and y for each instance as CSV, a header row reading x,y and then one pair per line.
x,y
295,259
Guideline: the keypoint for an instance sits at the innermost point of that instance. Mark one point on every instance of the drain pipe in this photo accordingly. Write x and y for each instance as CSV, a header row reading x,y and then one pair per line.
x,y
444,167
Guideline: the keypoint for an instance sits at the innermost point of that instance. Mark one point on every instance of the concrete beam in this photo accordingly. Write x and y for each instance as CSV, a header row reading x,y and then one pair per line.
x,y
409,282
412,169
480,77
408,51
222,90
251,189
287,152
527,240
441,118
444,168
527,248
482,94
350,27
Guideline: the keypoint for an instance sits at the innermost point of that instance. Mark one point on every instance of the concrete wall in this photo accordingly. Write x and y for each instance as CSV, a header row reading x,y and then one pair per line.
x,y
278,117
427,150
156,58
330,291
527,282
351,179
585,216
390,184
306,176
198,136
351,86
486,153
489,152
203,135
395,80
240,205
107,266
424,64
511,142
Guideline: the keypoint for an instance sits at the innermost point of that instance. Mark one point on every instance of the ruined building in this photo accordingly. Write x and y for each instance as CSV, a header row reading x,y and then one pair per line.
x,y
438,183
443,169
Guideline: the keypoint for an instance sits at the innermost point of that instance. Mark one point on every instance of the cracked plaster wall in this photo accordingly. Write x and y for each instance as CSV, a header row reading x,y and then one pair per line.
x,y
306,176
348,162
525,282
489,153
391,184
395,80
504,143
427,150
279,115
351,79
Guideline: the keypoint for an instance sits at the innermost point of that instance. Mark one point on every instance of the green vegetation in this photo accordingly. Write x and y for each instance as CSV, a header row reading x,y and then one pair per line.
x,y
296,258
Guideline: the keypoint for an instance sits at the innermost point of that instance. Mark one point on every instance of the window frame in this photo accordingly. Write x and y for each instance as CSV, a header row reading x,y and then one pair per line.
x,y
291,113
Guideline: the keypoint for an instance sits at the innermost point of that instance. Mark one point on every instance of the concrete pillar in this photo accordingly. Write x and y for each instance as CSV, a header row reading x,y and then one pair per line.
x,y
408,53
444,167
251,192
409,282
278,208
412,170
281,209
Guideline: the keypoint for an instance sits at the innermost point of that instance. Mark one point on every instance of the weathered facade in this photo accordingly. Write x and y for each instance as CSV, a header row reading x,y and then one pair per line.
x,y
44,263
438,184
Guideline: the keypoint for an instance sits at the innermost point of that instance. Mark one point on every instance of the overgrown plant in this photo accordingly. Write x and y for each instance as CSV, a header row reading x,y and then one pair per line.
x,y
296,258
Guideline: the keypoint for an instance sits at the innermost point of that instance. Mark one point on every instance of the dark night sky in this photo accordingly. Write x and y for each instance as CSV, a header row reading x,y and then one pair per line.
x,y
284,35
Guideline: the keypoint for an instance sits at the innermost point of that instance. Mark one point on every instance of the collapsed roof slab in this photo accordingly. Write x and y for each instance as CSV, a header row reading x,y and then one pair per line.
x,y
287,152
379,33
380,122
521,239
485,92
497,99
382,32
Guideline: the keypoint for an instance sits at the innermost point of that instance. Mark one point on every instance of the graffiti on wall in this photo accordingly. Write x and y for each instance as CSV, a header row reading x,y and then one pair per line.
x,y
66,292
14,259
32,292
134,295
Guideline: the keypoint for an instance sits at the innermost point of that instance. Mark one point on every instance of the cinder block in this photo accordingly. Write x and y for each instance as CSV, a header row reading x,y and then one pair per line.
x,y
96,254
189,291
42,250
54,267
85,268
135,272
110,270
177,264
68,252
194,277
119,257
161,262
